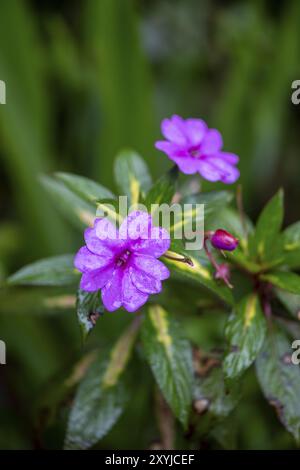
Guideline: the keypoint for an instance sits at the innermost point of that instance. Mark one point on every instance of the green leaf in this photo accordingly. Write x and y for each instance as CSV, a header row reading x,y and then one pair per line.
x,y
89,307
284,279
291,245
44,301
279,379
132,175
213,200
76,209
192,214
213,395
55,271
290,301
109,208
245,332
84,187
102,395
199,273
170,358
163,190
265,243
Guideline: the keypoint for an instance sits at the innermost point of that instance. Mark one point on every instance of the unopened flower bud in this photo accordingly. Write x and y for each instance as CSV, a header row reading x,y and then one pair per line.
x,y
223,240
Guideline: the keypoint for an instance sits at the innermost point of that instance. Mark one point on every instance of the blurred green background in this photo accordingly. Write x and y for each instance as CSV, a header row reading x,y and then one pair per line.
x,y
88,77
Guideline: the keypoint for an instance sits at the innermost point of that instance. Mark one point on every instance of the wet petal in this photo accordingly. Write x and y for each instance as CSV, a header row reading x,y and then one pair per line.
x,y
95,280
137,224
150,265
112,291
133,298
95,245
85,260
212,142
145,282
155,245
173,130
108,234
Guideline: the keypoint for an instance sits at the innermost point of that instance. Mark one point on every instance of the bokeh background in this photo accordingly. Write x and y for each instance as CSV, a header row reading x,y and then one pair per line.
x,y
86,78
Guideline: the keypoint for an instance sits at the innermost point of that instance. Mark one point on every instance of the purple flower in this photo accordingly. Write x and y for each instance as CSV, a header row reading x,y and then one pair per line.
x,y
195,148
123,263
223,240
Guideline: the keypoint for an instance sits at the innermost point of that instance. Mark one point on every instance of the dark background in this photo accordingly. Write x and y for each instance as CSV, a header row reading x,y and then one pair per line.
x,y
86,78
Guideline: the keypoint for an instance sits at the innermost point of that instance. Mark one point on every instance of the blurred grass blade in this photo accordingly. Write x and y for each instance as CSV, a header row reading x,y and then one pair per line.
x,y
124,84
25,126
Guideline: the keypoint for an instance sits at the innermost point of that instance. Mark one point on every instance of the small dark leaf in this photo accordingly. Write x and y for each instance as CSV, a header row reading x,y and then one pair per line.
x,y
89,308
245,332
170,358
280,380
218,397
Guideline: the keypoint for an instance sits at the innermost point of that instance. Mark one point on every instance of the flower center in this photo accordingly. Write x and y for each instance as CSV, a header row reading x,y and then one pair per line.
x,y
123,258
195,151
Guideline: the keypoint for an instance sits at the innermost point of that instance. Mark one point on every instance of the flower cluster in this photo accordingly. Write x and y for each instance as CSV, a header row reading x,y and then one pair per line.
x,y
124,263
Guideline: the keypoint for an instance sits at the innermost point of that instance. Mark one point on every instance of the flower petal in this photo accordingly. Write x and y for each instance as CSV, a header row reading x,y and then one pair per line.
x,y
137,224
95,280
173,130
229,157
188,165
195,130
108,234
150,265
228,173
112,291
133,298
86,261
145,282
156,245
95,245
212,142
209,171
168,147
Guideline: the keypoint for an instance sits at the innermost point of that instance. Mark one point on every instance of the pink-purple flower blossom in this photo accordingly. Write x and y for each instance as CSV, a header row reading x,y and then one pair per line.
x,y
123,263
196,148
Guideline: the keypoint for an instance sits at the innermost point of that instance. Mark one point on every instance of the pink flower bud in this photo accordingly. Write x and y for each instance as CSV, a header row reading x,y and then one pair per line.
x,y
223,240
